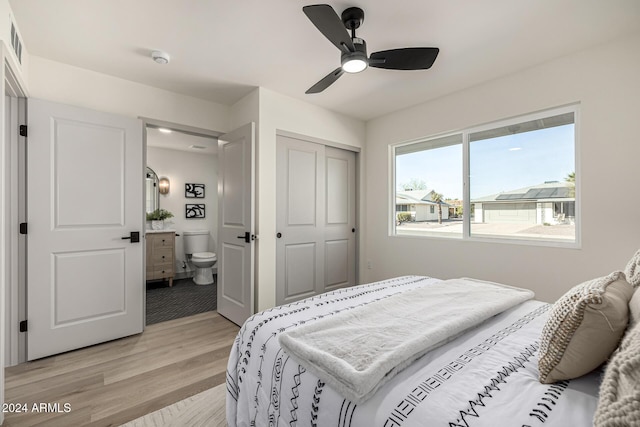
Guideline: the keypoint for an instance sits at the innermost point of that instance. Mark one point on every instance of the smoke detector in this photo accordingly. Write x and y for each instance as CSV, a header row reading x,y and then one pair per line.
x,y
160,57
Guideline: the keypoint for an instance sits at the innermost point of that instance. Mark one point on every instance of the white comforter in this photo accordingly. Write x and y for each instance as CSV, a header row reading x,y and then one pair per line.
x,y
485,377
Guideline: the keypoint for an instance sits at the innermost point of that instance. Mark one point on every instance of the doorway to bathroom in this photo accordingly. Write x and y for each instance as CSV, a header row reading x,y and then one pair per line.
x,y
181,196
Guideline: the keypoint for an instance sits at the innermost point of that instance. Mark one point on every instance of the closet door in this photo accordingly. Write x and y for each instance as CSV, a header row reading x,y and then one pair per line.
x,y
300,219
316,243
340,219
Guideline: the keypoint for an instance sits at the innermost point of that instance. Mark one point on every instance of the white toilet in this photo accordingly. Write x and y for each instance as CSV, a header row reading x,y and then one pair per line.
x,y
196,244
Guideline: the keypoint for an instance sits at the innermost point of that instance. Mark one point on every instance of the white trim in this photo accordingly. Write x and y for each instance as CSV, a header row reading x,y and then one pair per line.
x,y
189,130
315,140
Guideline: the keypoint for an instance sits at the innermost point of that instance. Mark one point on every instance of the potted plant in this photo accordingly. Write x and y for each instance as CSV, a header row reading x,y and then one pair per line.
x,y
157,218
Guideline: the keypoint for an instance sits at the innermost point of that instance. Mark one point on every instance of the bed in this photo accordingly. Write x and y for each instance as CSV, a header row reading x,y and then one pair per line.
x,y
486,375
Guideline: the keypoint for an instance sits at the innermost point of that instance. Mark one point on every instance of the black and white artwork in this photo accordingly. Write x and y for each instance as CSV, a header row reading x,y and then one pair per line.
x,y
192,211
194,191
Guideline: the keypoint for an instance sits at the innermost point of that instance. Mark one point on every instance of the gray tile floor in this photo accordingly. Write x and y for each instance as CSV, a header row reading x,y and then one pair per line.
x,y
184,298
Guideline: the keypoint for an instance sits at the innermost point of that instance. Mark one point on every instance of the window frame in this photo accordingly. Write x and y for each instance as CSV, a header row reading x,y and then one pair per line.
x,y
466,226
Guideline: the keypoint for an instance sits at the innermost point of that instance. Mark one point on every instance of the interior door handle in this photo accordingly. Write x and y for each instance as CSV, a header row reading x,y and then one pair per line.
x,y
246,237
134,236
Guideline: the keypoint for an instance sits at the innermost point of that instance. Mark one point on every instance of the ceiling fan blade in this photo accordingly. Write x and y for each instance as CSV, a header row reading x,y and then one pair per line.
x,y
330,25
327,81
409,58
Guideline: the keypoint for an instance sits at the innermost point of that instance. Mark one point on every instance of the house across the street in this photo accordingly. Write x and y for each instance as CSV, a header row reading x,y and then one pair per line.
x,y
550,203
420,205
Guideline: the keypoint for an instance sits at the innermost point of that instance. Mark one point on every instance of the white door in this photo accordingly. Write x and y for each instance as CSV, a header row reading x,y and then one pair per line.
x,y
85,281
316,244
236,224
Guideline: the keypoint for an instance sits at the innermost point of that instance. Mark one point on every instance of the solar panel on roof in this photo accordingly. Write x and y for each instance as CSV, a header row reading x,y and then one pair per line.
x,y
545,193
510,196
532,194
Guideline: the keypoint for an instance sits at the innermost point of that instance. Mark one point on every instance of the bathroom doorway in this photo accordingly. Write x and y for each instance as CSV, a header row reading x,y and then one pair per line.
x,y
181,181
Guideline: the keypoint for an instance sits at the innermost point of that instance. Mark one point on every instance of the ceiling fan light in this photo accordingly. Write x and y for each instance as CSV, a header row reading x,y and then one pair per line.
x,y
354,65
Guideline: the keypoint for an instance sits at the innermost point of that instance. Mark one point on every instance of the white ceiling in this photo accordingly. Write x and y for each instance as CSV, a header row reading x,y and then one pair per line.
x,y
220,50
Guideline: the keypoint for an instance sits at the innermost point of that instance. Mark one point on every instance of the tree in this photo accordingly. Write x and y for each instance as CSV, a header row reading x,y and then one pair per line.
x,y
414,184
437,197
571,179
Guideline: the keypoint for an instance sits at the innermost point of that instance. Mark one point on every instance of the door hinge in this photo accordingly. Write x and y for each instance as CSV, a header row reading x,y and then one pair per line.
x,y
23,228
23,326
23,130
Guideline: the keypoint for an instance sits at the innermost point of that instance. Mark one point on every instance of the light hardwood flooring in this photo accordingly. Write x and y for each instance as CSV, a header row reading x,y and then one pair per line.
x,y
206,409
115,382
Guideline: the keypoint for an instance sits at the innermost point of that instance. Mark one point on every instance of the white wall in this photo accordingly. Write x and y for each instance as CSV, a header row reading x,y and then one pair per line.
x,y
182,167
605,81
55,81
279,112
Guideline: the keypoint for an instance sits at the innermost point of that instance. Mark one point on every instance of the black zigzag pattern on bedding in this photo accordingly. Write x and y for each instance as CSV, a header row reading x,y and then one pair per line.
x,y
549,399
493,386
294,395
418,395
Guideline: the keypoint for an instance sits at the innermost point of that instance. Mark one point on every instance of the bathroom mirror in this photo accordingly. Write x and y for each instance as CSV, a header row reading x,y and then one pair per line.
x,y
151,189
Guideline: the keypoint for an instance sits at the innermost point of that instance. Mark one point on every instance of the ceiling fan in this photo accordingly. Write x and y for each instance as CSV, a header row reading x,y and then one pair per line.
x,y
354,50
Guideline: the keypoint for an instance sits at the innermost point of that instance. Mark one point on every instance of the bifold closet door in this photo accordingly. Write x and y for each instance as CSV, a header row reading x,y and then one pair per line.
x,y
315,219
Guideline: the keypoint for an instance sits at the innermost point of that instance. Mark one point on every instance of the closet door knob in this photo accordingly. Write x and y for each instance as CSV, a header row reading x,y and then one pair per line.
x,y
279,235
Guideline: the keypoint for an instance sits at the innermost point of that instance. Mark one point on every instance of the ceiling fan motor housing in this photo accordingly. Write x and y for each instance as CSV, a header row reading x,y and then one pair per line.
x,y
359,54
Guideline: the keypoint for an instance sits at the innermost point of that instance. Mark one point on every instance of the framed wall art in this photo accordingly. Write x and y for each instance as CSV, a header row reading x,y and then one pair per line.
x,y
194,191
194,211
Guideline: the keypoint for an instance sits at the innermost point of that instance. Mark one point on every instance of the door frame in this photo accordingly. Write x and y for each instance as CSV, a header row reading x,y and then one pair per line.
x,y
13,212
357,151
148,122
11,257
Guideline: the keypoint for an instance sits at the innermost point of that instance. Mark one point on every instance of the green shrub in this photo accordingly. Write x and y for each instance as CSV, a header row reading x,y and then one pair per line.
x,y
404,217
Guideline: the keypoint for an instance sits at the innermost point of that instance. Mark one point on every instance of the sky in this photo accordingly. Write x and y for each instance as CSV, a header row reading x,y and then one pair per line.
x,y
496,165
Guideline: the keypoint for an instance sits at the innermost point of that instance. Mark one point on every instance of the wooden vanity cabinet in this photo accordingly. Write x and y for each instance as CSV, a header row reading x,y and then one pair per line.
x,y
161,254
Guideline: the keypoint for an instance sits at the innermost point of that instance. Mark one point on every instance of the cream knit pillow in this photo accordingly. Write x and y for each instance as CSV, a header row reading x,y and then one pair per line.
x,y
634,309
584,328
632,270
619,399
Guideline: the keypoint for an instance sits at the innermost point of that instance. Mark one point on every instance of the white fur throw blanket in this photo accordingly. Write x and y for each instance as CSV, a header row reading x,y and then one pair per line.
x,y
359,350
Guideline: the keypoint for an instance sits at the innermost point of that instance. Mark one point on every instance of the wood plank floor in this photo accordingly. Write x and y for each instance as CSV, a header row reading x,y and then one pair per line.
x,y
115,382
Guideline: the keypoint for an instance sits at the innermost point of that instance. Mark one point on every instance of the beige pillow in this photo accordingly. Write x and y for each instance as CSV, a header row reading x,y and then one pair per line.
x,y
619,397
584,328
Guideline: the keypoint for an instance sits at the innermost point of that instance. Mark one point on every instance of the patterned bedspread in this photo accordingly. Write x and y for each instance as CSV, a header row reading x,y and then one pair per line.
x,y
485,377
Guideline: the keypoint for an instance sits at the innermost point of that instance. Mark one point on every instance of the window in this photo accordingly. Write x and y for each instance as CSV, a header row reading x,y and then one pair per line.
x,y
424,171
519,180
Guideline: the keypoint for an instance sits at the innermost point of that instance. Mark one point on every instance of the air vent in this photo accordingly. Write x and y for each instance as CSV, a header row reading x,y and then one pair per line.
x,y
16,43
197,147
